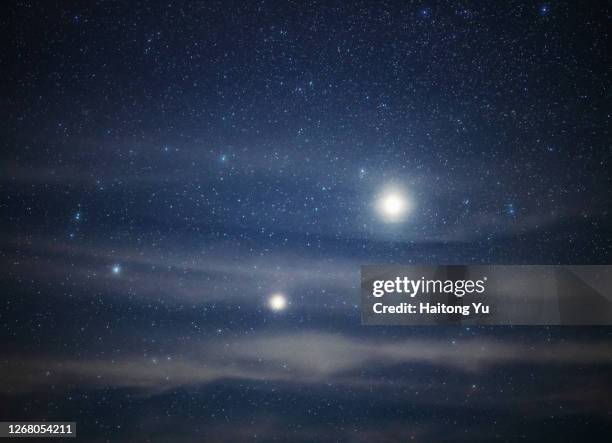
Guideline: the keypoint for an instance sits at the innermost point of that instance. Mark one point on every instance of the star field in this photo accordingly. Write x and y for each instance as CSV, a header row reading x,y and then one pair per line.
x,y
188,190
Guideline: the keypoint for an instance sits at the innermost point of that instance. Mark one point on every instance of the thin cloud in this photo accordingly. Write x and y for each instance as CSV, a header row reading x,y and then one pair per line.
x,y
309,358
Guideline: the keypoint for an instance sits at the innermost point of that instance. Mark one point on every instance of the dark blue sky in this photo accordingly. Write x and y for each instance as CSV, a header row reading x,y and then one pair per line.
x,y
167,166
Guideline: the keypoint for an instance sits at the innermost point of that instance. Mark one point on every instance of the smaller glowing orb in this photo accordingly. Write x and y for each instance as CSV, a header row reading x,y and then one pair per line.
x,y
277,302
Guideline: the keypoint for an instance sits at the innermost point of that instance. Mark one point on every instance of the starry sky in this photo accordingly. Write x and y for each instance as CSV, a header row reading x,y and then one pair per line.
x,y
166,167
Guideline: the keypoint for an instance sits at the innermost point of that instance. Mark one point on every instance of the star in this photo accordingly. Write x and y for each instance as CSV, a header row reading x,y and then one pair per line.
x,y
116,269
393,205
277,302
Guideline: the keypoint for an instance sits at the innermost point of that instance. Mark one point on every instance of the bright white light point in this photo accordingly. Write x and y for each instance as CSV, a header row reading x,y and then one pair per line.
x,y
116,269
393,205
277,302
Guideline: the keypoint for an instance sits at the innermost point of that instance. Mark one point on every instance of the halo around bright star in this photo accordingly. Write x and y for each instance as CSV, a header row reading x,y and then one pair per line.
x,y
277,302
393,205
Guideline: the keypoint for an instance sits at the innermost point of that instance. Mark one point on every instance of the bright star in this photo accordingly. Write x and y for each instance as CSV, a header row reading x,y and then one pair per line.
x,y
393,205
277,302
116,269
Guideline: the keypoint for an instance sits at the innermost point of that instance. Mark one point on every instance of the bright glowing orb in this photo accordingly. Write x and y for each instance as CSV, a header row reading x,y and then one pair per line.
x,y
393,206
277,302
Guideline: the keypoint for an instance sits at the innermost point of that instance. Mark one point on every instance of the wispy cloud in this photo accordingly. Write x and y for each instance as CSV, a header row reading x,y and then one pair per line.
x,y
226,272
307,358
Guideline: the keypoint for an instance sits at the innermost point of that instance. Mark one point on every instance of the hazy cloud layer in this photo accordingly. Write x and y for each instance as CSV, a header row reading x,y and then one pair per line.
x,y
306,358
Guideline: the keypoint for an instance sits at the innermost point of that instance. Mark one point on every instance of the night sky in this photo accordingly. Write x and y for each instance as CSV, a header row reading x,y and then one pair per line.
x,y
167,167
